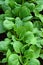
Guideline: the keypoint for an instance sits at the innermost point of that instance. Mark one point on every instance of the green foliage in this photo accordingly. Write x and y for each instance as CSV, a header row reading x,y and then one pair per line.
x,y
22,21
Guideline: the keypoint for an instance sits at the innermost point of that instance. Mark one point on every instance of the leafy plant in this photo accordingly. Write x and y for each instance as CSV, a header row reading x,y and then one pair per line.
x,y
22,21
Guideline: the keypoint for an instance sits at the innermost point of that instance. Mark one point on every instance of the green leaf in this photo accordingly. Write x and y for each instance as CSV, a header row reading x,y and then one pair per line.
x,y
28,26
8,13
1,2
8,53
2,29
39,7
4,60
19,28
28,36
39,1
5,7
37,24
15,11
40,16
31,6
27,18
18,22
36,51
41,56
13,59
17,46
42,42
24,12
9,34
33,41
20,59
20,31
9,18
28,54
34,62
8,24
4,45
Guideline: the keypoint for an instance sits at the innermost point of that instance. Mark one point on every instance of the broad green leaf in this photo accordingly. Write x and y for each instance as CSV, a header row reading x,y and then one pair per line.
x,y
37,24
28,26
34,62
10,2
40,16
24,12
8,24
1,2
28,36
17,46
18,22
28,54
39,1
4,45
5,7
13,59
15,11
19,28
36,32
8,13
20,32
36,51
39,7
33,41
31,6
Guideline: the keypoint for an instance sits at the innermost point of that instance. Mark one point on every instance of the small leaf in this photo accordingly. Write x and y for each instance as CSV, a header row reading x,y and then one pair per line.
x,y
4,60
8,53
9,34
27,18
